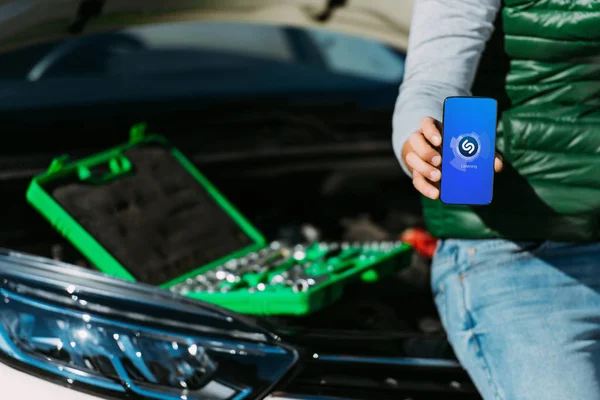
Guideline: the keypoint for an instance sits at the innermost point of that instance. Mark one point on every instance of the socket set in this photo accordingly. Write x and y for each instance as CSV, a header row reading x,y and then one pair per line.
x,y
286,280
142,211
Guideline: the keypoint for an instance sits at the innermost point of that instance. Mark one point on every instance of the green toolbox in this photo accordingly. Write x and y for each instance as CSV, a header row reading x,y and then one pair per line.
x,y
143,212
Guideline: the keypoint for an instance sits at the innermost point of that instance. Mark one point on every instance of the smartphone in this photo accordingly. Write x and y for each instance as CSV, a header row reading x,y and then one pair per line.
x,y
468,150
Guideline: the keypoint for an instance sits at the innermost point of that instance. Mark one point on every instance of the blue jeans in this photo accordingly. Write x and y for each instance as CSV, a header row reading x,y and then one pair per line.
x,y
522,318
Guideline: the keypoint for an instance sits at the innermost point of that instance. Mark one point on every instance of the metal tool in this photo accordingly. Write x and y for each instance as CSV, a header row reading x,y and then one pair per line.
x,y
232,265
200,288
300,285
184,290
298,267
221,274
333,250
277,279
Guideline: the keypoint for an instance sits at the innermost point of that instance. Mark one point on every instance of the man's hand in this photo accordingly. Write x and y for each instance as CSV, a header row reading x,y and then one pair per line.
x,y
422,157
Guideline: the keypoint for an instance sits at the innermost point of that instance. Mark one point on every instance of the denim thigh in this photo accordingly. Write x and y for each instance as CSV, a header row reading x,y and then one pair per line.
x,y
523,318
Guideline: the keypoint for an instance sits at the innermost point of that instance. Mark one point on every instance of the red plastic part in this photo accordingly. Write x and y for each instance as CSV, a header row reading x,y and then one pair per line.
x,y
420,240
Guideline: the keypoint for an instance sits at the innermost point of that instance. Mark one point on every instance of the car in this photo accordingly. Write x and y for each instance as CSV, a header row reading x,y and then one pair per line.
x,y
286,106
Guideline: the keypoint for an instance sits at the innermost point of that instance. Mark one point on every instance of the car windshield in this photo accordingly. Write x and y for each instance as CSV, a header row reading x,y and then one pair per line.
x,y
204,48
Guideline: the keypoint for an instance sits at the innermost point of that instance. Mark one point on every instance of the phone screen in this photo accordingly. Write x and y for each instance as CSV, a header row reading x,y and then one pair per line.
x,y
468,149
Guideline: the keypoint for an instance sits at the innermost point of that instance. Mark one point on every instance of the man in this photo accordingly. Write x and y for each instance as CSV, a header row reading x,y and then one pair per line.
x,y
517,283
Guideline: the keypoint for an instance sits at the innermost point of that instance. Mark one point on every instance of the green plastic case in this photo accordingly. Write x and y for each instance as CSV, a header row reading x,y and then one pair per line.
x,y
280,301
283,301
72,230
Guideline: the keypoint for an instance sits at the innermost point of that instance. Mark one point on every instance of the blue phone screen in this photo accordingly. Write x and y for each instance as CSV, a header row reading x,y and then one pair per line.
x,y
469,136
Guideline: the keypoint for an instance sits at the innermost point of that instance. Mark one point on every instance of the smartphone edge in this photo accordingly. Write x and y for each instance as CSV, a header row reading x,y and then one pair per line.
x,y
493,163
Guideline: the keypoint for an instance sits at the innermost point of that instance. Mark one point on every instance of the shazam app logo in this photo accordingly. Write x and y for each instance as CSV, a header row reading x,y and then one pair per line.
x,y
467,148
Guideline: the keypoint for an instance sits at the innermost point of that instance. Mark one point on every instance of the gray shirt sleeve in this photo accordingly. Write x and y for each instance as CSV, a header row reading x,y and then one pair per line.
x,y
447,38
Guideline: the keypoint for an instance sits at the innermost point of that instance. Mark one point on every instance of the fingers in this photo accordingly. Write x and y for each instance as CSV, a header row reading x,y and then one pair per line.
x,y
421,156
498,163
421,146
429,127
427,170
424,187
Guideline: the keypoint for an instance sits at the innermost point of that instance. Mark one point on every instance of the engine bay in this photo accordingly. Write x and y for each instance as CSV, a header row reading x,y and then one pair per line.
x,y
356,195
336,204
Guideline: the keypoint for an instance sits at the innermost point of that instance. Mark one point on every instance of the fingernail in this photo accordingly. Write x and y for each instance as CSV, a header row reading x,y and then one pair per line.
x,y
436,139
436,160
433,193
435,174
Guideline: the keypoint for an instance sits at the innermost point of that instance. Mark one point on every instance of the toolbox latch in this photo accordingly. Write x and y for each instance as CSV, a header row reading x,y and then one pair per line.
x,y
137,133
118,166
58,163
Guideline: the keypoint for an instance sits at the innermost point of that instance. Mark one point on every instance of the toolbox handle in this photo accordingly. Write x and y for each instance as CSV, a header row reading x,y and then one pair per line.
x,y
118,166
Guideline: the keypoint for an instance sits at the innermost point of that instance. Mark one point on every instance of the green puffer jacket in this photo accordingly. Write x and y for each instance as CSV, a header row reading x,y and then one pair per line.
x,y
549,131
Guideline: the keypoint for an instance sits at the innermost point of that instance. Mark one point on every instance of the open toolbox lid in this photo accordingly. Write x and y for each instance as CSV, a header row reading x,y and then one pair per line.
x,y
141,211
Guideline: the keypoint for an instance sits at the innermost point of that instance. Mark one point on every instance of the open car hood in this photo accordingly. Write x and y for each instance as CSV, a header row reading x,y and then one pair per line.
x,y
28,22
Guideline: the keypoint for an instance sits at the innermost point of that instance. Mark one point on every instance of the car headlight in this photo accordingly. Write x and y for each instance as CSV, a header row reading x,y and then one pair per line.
x,y
112,337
